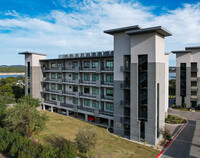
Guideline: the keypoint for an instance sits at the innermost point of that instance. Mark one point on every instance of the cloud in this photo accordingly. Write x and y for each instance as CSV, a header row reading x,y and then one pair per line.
x,y
81,29
11,13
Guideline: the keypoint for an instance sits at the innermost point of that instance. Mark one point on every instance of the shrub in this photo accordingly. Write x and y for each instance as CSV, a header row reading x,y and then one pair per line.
x,y
169,136
68,150
184,105
49,152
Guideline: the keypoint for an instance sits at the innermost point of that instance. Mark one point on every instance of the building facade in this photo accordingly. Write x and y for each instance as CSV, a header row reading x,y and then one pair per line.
x,y
187,77
125,89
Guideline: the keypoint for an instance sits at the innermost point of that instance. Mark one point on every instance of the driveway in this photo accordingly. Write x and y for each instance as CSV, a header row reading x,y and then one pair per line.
x,y
187,143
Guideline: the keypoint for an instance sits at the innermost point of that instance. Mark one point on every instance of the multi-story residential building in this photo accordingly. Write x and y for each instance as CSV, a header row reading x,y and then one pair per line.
x,y
125,89
187,77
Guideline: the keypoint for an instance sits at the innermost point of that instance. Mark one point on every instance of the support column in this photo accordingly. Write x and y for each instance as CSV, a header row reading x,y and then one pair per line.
x,y
67,112
108,122
43,107
86,117
51,108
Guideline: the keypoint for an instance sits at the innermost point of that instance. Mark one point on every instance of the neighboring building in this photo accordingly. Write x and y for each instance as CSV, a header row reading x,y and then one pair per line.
x,y
125,89
187,77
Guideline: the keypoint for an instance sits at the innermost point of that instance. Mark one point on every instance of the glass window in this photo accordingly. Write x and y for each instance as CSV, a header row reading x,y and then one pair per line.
x,y
87,90
75,89
60,98
86,77
59,87
95,104
95,64
109,106
95,77
86,64
53,76
86,102
53,86
74,64
53,65
53,97
59,64
95,91
75,101
59,75
109,64
109,78
109,92
75,76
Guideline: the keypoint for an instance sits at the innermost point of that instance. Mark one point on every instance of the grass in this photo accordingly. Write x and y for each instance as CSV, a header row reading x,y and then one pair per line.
x,y
185,109
63,127
174,119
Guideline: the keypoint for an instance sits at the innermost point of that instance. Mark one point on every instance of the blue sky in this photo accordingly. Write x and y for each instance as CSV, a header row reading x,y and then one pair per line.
x,y
65,26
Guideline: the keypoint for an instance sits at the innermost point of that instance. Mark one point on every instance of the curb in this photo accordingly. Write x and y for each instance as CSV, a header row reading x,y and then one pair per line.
x,y
165,148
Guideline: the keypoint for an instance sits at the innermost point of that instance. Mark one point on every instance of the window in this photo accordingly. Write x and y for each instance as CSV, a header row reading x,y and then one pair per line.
x,y
70,75
86,102
87,90
109,106
95,64
53,97
59,75
53,76
60,98
53,86
109,64
53,65
109,78
95,91
59,64
86,77
75,101
59,87
95,104
86,64
75,76
109,92
95,77
74,64
75,89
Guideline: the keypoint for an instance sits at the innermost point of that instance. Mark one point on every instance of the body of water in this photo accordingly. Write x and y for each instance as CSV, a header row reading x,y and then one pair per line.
x,y
5,76
172,75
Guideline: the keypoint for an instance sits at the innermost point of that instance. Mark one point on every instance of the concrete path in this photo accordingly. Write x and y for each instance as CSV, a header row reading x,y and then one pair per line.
x,y
187,143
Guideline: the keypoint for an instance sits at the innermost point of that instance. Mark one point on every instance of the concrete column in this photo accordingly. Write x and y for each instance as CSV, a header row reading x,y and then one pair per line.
x,y
44,107
108,122
67,111
86,117
51,108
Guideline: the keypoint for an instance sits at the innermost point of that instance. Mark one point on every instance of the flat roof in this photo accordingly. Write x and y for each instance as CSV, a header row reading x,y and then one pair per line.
x,y
122,29
24,53
158,29
181,51
195,47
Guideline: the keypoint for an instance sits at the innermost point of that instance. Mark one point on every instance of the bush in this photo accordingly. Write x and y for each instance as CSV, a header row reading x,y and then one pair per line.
x,y
49,152
184,105
169,136
68,150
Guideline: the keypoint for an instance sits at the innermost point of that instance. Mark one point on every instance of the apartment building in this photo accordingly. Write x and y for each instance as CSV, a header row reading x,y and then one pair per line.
x,y
125,89
187,77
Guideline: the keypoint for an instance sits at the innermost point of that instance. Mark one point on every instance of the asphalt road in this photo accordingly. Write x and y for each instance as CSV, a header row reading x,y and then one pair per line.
x,y
187,143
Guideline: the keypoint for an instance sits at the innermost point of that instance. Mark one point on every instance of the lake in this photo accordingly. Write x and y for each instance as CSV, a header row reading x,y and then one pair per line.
x,y
5,76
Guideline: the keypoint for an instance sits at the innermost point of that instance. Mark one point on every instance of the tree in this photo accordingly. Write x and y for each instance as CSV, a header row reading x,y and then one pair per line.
x,y
85,140
30,101
25,119
166,134
68,150
172,87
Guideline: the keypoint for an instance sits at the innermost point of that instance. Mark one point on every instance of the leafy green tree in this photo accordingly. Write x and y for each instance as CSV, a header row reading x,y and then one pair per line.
x,y
6,90
172,87
48,152
25,119
30,101
86,140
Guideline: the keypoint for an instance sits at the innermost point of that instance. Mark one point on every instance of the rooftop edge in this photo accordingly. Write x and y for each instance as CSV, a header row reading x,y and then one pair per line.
x,y
27,52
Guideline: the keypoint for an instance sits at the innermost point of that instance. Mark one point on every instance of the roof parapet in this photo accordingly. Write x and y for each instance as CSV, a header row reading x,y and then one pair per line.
x,y
27,52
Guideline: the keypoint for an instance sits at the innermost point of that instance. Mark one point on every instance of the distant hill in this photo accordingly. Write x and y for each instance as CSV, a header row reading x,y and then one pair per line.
x,y
12,68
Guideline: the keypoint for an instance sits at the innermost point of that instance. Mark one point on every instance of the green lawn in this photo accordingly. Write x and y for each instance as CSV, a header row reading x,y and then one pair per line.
x,y
108,146
184,109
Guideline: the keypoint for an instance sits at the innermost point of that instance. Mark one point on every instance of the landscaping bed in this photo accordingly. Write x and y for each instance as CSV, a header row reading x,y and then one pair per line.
x,y
173,119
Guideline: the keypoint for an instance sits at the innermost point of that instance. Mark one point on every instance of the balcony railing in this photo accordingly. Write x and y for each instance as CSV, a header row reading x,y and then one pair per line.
x,y
107,97
88,95
194,88
193,97
124,68
193,78
107,83
107,69
87,82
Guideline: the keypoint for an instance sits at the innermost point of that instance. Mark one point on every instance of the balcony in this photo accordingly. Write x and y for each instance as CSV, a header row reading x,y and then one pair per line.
x,y
97,69
82,82
106,84
47,90
52,69
107,98
68,81
84,95
50,102
194,88
103,112
107,69
124,69
194,97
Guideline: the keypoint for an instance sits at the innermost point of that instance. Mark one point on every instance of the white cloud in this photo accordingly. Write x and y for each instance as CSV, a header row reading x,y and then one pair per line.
x,y
11,13
82,29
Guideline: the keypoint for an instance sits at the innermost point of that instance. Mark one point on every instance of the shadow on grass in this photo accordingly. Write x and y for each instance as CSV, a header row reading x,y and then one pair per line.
x,y
54,140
